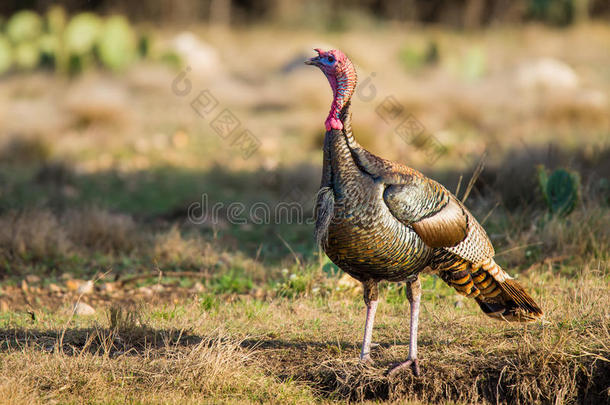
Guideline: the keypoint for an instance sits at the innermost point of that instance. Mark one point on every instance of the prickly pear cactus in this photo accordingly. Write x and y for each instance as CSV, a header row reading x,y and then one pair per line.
x,y
81,33
24,26
27,55
117,43
56,20
560,190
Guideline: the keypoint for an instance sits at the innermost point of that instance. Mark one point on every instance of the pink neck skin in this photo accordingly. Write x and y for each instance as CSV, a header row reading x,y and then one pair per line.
x,y
333,121
343,84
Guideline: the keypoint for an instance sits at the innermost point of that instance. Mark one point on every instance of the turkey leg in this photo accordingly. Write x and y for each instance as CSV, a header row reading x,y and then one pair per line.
x,y
414,297
371,299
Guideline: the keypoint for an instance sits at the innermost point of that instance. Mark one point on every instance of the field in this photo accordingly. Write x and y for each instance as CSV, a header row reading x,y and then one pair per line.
x,y
147,257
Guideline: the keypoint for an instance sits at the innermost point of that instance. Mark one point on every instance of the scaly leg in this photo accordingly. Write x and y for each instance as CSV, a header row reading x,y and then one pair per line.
x,y
414,296
371,295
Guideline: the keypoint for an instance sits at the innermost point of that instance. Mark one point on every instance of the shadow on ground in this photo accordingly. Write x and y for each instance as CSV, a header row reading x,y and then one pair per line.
x,y
134,341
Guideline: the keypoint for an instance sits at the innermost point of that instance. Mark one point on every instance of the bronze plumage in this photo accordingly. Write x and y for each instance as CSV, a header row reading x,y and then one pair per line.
x,y
380,220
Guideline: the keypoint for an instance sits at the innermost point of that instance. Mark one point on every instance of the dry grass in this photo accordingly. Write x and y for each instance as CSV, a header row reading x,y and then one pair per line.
x,y
215,369
305,349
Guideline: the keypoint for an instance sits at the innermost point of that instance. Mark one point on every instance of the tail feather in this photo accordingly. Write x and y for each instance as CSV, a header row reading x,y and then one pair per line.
x,y
519,305
502,297
498,295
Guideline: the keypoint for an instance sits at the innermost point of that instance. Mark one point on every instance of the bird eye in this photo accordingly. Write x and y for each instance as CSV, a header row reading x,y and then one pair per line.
x,y
331,59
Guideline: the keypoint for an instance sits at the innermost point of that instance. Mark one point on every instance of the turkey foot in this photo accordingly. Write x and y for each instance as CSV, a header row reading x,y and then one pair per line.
x,y
413,363
366,359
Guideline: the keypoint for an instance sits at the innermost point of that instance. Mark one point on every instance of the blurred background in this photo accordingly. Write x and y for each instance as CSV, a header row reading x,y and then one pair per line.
x,y
116,117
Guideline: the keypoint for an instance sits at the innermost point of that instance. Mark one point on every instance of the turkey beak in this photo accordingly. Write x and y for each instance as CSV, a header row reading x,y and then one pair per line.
x,y
313,61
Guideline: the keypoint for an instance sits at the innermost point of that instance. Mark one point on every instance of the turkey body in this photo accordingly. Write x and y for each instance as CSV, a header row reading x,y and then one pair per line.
x,y
364,238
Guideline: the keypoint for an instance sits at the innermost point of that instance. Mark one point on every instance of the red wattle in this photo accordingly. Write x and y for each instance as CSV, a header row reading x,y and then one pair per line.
x,y
333,123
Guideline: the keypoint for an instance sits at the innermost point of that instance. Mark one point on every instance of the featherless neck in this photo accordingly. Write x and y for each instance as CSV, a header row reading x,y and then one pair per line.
x,y
343,83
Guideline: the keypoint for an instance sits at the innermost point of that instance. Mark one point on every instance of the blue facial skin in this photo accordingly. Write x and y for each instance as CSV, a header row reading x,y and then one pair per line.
x,y
327,60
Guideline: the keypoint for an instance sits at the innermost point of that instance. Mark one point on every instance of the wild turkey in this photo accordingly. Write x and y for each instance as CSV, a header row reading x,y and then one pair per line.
x,y
380,220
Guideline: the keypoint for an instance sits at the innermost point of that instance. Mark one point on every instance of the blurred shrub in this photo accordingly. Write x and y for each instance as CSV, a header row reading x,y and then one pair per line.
x,y
174,250
413,57
102,231
32,235
470,64
25,150
560,12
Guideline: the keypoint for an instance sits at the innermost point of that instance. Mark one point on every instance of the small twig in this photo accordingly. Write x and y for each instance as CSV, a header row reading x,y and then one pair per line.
x,y
475,175
489,213
457,189
296,258
258,252
517,248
